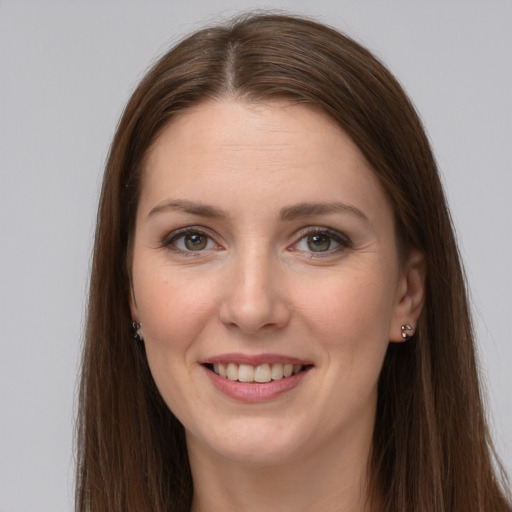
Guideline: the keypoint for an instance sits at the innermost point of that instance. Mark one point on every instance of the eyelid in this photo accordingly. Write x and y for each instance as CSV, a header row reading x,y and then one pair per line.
x,y
339,237
170,239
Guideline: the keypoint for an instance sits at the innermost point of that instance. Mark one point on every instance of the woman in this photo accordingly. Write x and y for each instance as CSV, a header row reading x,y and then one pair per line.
x,y
273,229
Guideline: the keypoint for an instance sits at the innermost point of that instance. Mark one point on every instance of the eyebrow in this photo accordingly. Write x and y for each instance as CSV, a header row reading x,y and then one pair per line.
x,y
193,207
286,214
300,210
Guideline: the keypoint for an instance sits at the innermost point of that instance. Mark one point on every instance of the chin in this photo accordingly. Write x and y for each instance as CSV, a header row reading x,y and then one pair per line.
x,y
250,443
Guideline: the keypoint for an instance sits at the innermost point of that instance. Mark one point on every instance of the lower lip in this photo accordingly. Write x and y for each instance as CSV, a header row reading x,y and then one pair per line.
x,y
252,392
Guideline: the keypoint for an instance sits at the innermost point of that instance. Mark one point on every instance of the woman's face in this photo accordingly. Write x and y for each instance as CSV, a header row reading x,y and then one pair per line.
x,y
265,245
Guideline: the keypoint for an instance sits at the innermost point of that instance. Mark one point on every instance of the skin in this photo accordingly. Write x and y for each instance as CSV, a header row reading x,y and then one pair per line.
x,y
258,287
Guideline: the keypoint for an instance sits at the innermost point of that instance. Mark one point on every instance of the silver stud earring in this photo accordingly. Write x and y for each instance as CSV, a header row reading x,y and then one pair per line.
x,y
406,332
136,331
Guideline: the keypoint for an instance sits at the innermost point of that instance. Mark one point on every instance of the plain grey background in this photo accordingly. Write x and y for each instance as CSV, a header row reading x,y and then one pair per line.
x,y
67,69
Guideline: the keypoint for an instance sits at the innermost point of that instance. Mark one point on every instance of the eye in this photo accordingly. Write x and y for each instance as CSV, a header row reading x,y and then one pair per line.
x,y
189,240
319,242
322,241
195,241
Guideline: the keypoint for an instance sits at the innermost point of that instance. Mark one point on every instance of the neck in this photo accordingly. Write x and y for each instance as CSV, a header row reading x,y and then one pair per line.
x,y
330,480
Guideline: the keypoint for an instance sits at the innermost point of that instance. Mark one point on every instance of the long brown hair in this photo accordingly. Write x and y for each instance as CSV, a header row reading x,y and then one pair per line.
x,y
431,447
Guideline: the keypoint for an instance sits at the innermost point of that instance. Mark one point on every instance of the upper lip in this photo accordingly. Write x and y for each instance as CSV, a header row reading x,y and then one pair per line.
x,y
255,360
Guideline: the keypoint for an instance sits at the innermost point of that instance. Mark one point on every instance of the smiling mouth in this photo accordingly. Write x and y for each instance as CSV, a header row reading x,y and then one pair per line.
x,y
258,374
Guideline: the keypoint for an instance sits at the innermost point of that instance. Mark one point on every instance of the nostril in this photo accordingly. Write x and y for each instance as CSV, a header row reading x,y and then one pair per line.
x,y
255,318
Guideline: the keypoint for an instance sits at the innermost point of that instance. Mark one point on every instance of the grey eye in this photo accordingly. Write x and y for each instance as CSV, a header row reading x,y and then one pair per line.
x,y
191,241
195,241
322,242
319,242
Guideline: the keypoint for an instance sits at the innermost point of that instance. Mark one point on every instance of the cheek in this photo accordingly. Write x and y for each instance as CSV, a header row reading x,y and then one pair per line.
x,y
353,305
349,316
172,308
174,315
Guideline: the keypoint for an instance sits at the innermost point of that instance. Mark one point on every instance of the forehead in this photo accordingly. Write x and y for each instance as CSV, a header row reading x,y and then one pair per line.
x,y
274,152
223,129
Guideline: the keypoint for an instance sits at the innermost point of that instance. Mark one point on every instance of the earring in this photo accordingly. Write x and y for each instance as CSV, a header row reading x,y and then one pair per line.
x,y
406,335
136,334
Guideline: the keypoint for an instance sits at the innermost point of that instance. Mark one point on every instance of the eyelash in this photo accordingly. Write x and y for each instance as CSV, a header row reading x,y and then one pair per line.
x,y
339,238
169,242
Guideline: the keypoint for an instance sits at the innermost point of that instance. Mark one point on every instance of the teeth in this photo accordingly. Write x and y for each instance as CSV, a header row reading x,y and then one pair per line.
x,y
232,371
262,373
245,373
277,371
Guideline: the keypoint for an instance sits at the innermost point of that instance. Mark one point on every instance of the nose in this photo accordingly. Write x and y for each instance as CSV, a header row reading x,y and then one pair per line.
x,y
254,297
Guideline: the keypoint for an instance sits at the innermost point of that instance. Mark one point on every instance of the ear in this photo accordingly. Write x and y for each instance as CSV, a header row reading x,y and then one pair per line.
x,y
133,304
410,296
136,323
